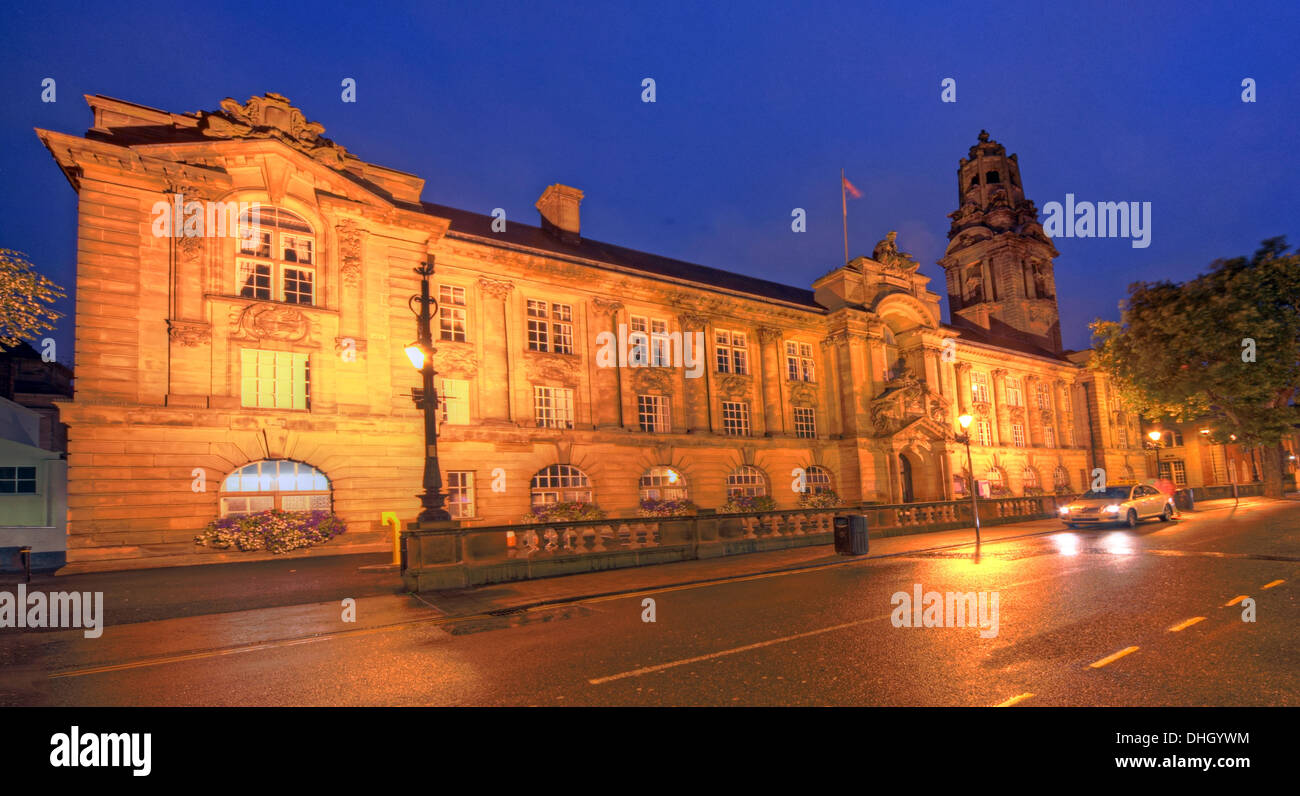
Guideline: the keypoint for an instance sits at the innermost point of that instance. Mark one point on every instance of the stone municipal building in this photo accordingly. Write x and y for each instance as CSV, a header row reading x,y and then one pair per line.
x,y
219,374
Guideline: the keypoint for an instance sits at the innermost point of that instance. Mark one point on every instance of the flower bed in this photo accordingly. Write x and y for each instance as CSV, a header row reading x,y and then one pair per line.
x,y
825,499
666,508
743,504
560,512
274,531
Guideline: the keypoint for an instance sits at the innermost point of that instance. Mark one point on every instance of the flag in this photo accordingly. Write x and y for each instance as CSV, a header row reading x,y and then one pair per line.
x,y
848,186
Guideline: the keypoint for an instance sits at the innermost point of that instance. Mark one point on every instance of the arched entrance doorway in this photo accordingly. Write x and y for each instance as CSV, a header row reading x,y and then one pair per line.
x,y
905,474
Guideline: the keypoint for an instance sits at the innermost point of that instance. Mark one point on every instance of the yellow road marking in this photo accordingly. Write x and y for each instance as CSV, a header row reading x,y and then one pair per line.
x,y
1187,624
1235,600
1277,582
1112,658
1015,700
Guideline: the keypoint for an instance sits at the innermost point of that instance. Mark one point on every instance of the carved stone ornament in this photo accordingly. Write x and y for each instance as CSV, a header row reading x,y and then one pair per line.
x,y
660,379
272,116
455,360
495,288
734,385
692,321
769,334
189,333
551,367
189,249
603,306
350,242
803,394
270,322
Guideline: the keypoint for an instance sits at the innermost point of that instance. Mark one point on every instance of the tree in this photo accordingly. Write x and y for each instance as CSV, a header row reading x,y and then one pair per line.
x,y
1223,348
26,300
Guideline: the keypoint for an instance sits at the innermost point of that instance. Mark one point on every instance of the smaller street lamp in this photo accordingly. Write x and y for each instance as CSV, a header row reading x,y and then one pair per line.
x,y
964,437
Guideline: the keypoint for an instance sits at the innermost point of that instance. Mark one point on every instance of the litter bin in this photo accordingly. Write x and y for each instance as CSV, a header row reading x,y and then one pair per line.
x,y
851,534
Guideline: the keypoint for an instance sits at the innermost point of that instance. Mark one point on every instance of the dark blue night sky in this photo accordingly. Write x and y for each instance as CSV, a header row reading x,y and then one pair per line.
x,y
759,106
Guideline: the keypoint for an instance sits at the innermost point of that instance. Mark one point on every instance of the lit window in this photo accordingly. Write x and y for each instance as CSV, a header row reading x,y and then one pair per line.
x,y
1030,477
663,483
979,387
735,418
652,410
274,484
1049,436
17,480
746,481
274,379
276,260
1014,397
1061,479
1018,435
732,352
553,407
1175,471
454,395
560,483
805,422
984,432
995,478
451,313
799,361
816,480
1044,397
460,494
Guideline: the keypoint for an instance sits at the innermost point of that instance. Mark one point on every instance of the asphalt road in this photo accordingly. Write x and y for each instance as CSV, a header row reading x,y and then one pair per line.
x,y
1068,603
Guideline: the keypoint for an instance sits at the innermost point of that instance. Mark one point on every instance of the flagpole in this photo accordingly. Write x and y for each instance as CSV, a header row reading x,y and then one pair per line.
x,y
844,208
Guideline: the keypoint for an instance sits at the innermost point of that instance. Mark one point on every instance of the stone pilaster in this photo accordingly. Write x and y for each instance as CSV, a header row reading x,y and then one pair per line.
x,y
494,402
773,418
696,395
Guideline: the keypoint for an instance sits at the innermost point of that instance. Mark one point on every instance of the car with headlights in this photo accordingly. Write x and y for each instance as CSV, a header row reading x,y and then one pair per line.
x,y
1126,504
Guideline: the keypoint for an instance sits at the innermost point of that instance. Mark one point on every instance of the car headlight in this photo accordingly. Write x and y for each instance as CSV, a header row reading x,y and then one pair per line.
x,y
1112,508
1065,509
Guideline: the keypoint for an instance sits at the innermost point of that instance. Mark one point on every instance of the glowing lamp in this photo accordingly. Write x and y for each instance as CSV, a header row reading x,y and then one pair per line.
x,y
416,355
965,421
1154,435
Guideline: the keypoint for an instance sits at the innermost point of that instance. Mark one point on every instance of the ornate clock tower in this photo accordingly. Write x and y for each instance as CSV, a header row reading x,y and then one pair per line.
x,y
999,260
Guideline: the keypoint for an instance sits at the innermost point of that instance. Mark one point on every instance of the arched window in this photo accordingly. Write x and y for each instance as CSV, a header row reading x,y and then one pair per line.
x,y
992,178
1030,477
663,483
995,478
278,261
816,480
274,484
746,481
1061,478
893,358
1129,475
560,483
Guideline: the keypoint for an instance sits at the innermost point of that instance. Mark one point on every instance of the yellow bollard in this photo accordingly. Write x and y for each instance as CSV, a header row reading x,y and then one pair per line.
x,y
384,519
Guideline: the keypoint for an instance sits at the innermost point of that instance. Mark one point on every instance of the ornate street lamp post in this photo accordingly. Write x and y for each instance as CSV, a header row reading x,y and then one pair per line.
x,y
421,355
964,437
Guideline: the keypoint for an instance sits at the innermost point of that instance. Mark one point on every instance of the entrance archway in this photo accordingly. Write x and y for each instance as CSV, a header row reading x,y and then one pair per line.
x,y
905,475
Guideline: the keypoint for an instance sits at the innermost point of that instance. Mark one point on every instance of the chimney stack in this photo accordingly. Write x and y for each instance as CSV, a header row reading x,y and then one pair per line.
x,y
559,209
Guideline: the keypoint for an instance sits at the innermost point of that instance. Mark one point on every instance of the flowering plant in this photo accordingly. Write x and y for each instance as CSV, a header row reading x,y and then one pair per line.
x,y
1000,491
825,499
666,508
737,504
273,530
572,511
1034,491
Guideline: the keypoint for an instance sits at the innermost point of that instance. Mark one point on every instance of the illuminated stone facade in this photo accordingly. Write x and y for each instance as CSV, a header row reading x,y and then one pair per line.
x,y
199,356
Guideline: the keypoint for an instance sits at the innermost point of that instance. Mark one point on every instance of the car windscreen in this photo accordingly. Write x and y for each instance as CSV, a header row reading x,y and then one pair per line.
x,y
1110,492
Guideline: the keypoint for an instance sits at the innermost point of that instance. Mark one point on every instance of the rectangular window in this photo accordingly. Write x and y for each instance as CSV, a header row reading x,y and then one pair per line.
x,y
660,353
1172,439
652,410
1049,436
298,284
1014,397
805,422
979,387
1175,471
798,361
1121,435
17,480
735,418
539,337
451,313
562,328
454,395
983,432
553,407
460,494
732,352
555,334
258,245
254,279
1044,397
274,379
1018,435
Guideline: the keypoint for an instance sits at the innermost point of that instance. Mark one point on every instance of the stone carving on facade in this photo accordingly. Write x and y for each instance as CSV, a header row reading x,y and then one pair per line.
x,y
269,322
803,394
189,249
734,385
888,254
769,334
552,367
189,333
604,306
660,379
272,116
350,236
692,321
496,288
455,360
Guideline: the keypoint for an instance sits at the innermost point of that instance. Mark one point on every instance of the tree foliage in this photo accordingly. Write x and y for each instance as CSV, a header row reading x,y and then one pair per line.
x,y
26,300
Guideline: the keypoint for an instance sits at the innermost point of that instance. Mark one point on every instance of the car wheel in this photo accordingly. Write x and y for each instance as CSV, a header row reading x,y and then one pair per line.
x,y
1167,514
1132,518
